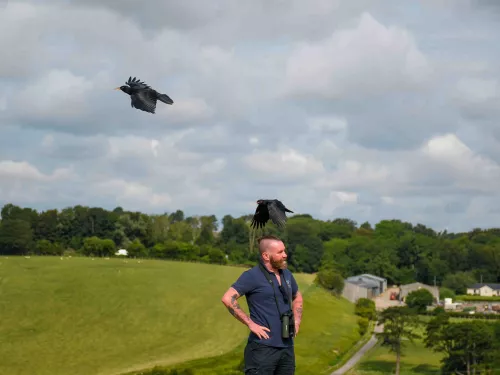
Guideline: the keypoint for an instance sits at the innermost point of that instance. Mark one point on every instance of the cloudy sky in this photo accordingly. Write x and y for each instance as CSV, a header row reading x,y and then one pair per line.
x,y
367,109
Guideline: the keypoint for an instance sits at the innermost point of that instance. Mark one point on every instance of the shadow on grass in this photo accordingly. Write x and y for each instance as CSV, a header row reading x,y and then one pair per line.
x,y
378,366
230,363
389,367
426,369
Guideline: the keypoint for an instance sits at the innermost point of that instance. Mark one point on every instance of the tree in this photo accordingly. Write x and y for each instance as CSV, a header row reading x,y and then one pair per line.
x,y
16,236
399,323
459,281
366,308
330,280
469,347
400,251
419,299
446,293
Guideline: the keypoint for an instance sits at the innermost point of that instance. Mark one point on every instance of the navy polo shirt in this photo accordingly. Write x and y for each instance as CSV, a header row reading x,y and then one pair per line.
x,y
261,303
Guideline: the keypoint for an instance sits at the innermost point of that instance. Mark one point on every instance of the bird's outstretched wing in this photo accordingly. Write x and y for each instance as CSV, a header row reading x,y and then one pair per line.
x,y
277,215
282,207
145,100
260,217
136,83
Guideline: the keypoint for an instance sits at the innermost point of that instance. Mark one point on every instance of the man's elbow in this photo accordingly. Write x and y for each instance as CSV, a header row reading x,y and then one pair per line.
x,y
226,298
298,297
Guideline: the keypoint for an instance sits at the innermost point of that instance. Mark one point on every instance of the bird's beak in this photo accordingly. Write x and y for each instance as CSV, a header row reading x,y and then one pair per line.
x,y
117,88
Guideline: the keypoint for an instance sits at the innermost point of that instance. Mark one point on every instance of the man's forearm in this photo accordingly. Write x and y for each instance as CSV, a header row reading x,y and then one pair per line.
x,y
234,308
297,307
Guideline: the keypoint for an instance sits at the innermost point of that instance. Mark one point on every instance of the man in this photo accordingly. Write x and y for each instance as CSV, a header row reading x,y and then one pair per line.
x,y
267,352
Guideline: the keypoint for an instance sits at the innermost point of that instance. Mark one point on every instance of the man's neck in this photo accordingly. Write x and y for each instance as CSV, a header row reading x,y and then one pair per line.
x,y
270,268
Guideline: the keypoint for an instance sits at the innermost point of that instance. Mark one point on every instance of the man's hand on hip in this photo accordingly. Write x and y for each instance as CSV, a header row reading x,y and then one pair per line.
x,y
260,331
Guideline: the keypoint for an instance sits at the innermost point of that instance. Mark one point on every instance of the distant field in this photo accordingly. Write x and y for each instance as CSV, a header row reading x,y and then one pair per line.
x,y
107,317
416,360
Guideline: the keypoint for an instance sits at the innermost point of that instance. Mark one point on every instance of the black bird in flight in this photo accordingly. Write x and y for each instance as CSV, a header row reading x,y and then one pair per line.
x,y
142,96
269,209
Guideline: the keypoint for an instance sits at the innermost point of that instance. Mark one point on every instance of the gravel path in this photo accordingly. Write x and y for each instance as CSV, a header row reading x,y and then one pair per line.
x,y
359,354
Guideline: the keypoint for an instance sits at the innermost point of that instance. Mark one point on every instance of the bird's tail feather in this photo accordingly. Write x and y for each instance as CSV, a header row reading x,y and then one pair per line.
x,y
165,99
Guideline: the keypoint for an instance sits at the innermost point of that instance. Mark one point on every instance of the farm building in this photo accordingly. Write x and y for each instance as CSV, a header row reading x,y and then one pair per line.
x,y
404,290
484,289
363,286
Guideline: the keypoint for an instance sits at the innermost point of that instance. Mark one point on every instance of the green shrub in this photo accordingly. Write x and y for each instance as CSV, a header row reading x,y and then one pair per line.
x,y
330,280
419,299
363,325
365,308
446,293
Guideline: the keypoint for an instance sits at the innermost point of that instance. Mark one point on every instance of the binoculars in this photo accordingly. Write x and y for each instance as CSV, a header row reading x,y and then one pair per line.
x,y
287,325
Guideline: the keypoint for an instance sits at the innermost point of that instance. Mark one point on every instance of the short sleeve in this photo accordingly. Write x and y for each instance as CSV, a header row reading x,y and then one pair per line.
x,y
295,286
245,283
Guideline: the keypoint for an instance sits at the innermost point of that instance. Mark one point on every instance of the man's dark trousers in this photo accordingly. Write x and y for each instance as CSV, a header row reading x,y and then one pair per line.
x,y
267,360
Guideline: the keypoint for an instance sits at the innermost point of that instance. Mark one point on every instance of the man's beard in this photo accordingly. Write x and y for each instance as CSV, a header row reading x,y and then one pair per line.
x,y
278,264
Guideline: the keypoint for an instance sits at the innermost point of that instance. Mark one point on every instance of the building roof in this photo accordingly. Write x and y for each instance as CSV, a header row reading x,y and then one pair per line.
x,y
405,289
374,277
493,286
364,282
370,276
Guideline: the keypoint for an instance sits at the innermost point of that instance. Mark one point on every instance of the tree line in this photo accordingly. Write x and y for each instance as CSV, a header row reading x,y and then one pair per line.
x,y
400,251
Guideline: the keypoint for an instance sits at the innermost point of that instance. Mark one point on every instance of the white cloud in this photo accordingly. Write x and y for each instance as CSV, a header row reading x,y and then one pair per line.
x,y
327,123
132,195
57,94
353,109
475,90
337,199
365,60
283,164
24,171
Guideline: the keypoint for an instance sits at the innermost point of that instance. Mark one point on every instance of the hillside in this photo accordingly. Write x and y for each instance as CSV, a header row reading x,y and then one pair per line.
x,y
83,316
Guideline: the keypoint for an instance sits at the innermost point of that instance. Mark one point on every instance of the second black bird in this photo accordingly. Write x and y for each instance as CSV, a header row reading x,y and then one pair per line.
x,y
269,209
142,96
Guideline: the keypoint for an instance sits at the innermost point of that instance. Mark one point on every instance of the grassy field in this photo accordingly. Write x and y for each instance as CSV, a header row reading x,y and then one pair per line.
x,y
107,317
416,360
328,331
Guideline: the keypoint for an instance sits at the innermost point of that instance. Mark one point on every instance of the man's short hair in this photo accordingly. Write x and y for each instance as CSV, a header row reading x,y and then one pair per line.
x,y
266,237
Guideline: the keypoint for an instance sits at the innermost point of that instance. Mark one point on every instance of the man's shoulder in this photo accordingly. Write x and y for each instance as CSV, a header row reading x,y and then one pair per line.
x,y
251,269
249,272
287,272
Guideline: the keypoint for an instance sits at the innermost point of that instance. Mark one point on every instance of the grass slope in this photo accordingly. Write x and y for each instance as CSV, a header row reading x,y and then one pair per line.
x,y
104,317
329,329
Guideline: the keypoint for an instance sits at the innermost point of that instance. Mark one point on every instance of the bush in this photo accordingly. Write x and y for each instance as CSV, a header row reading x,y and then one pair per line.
x,y
363,325
459,281
365,308
330,280
419,299
446,293
439,310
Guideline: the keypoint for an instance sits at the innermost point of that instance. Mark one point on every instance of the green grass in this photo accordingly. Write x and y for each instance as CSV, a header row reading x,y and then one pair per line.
x,y
328,331
107,317
416,360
